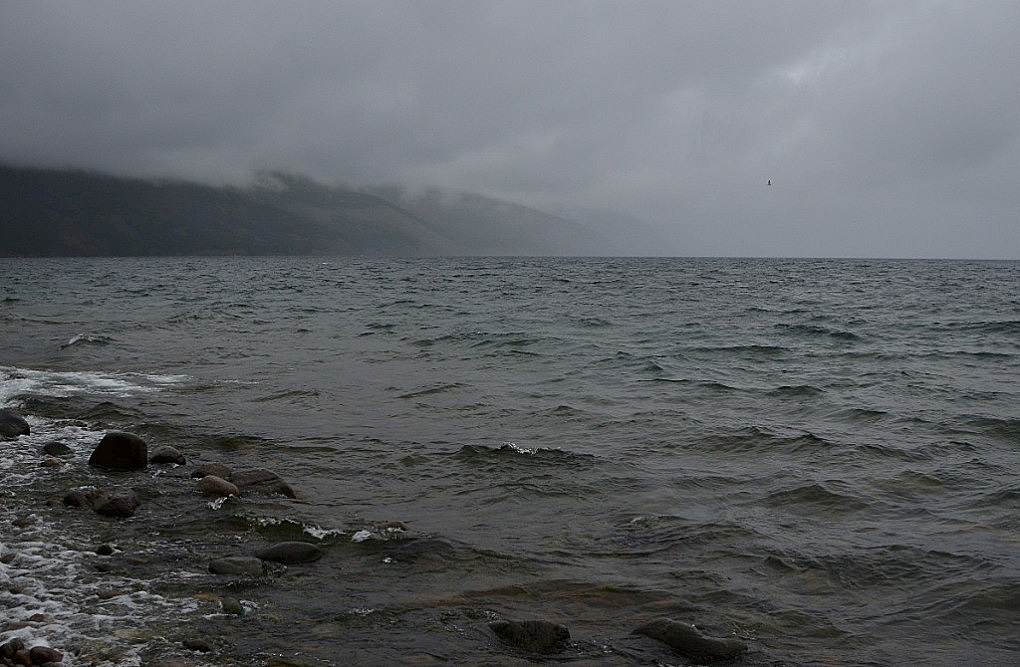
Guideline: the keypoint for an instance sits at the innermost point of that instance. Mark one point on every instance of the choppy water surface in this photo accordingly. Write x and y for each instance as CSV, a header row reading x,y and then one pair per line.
x,y
818,457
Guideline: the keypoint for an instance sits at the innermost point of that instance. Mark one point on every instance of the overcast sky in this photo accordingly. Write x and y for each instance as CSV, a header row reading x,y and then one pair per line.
x,y
888,128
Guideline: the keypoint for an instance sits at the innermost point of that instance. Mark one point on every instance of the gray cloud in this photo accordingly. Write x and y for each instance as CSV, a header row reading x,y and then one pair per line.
x,y
887,128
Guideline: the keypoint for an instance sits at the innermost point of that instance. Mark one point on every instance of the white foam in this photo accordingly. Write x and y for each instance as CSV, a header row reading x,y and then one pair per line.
x,y
361,536
17,381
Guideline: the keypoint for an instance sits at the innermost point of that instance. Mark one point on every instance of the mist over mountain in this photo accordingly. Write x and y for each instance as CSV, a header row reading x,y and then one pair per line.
x,y
77,213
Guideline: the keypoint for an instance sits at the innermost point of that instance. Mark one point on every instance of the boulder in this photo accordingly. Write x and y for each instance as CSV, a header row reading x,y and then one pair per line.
x,y
117,503
218,469
12,424
56,448
43,654
211,485
238,565
168,455
532,636
263,481
199,645
82,497
120,451
289,553
689,642
11,647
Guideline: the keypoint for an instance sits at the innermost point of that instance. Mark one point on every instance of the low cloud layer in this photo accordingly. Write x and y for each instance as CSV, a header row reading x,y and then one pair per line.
x,y
887,128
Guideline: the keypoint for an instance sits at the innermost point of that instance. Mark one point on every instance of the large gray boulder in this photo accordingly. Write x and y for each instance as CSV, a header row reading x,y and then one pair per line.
x,y
120,451
532,636
12,424
689,642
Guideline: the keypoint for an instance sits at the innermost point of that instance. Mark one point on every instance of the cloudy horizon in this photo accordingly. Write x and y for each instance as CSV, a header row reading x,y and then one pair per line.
x,y
886,128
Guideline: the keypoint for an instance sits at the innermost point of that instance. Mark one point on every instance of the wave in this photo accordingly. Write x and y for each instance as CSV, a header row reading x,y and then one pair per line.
x,y
87,339
15,382
440,388
815,331
511,452
754,439
830,497
796,391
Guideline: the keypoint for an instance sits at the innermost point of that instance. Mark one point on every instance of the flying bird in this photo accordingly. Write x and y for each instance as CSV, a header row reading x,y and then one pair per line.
x,y
770,181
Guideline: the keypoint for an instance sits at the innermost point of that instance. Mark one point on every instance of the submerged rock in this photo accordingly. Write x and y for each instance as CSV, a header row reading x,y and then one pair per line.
x,y
10,648
263,481
211,485
238,565
120,451
688,641
199,645
289,553
217,469
44,654
232,606
532,636
12,424
56,448
117,503
168,455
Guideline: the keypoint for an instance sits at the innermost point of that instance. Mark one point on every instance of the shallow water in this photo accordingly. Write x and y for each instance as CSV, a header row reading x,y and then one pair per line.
x,y
815,456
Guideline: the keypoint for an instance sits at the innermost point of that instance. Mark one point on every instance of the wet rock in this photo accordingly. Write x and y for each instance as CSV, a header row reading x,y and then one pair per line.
x,y
532,636
10,648
218,469
120,451
104,550
170,662
211,485
688,641
24,521
290,553
12,424
8,558
51,463
168,455
238,565
262,481
232,606
117,503
56,448
199,645
41,655
22,657
80,497
54,501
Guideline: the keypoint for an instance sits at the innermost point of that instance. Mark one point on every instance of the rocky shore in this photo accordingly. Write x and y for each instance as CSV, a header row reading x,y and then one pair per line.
x,y
121,456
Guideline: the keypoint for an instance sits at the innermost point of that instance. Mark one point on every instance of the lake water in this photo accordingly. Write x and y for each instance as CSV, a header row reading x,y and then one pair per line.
x,y
816,456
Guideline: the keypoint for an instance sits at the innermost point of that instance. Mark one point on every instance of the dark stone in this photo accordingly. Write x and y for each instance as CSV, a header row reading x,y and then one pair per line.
x,y
211,485
170,662
168,455
120,451
104,550
23,657
117,503
197,645
688,641
263,481
42,654
24,521
289,553
56,448
81,498
241,565
11,647
232,606
12,424
217,469
532,636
